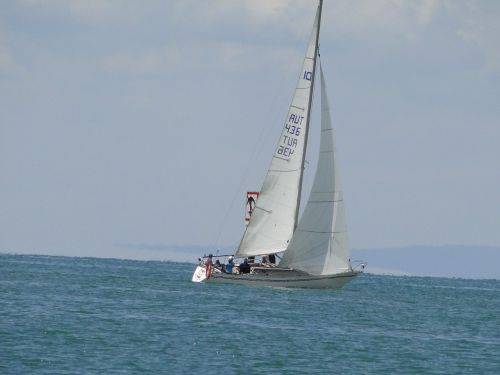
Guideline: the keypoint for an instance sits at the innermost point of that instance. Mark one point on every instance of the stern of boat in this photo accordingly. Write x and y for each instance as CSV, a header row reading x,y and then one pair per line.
x,y
199,275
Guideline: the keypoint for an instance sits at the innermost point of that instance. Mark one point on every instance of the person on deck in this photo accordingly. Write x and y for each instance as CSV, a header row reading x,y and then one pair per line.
x,y
219,265
230,265
272,258
208,266
244,267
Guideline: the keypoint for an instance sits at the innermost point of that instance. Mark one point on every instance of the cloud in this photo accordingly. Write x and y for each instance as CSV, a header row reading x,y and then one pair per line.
x,y
388,21
480,27
397,18
81,9
360,18
381,21
259,16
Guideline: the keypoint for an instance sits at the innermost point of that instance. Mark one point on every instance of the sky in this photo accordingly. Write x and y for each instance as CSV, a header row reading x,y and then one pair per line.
x,y
128,124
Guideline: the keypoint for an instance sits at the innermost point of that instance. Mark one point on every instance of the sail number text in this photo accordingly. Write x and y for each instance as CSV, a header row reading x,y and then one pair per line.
x,y
292,129
289,141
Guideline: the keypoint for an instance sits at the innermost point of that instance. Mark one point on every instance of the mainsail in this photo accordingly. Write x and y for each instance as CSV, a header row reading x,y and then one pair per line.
x,y
319,246
275,216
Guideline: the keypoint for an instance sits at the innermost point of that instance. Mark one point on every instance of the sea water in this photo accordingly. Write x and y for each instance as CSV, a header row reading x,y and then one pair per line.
x,y
62,315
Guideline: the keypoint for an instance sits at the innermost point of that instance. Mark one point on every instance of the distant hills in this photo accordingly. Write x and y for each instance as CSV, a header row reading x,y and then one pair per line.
x,y
439,261
470,262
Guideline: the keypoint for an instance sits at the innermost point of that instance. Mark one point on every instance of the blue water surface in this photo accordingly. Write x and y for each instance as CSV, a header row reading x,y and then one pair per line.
x,y
62,315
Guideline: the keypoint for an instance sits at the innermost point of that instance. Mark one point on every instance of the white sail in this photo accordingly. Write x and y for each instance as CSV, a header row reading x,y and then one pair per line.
x,y
319,246
274,218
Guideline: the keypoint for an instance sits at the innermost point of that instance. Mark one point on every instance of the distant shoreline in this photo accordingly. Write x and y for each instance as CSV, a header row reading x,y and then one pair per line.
x,y
449,261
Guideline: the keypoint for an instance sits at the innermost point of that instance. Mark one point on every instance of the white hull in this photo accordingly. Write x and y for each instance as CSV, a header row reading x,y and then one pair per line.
x,y
281,278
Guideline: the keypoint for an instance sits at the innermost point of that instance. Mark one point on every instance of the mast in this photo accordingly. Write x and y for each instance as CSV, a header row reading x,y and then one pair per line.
x,y
320,8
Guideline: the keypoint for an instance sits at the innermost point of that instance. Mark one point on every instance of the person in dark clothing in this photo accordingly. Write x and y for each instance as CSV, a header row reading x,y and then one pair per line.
x,y
244,267
220,266
250,205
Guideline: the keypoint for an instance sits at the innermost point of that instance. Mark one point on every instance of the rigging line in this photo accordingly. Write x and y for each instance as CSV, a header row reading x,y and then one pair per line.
x,y
263,209
321,232
284,170
257,149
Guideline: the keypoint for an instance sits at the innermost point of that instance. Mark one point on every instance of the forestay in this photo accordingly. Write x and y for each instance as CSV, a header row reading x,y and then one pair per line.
x,y
319,246
274,218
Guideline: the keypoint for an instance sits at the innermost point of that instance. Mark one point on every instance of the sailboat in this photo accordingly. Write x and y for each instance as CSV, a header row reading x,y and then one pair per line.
x,y
315,250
